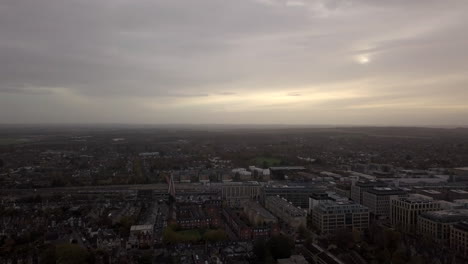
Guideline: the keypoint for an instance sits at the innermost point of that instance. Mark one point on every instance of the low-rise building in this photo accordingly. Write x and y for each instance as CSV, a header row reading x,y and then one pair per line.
x,y
285,211
141,236
245,230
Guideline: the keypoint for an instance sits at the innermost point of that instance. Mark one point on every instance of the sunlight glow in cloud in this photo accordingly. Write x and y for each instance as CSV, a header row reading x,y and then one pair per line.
x,y
245,61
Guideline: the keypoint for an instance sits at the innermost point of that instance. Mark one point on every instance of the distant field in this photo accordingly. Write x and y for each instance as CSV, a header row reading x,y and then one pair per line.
x,y
268,161
10,141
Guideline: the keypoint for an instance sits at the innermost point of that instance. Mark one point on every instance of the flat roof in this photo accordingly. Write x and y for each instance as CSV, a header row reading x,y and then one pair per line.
x,y
461,226
141,227
288,168
386,191
417,199
431,191
291,209
446,216
459,191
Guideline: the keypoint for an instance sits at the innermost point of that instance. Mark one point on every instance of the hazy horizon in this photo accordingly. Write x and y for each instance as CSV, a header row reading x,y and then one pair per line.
x,y
246,62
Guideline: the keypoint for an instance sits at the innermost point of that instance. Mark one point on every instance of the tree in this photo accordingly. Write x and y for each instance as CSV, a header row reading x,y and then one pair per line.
x,y
304,233
146,258
71,254
48,256
280,246
260,249
125,224
344,238
392,240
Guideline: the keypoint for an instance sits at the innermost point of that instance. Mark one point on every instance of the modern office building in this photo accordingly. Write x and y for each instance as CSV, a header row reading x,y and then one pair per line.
x,y
331,216
343,189
437,224
320,197
378,200
285,211
358,189
459,238
297,195
404,211
460,174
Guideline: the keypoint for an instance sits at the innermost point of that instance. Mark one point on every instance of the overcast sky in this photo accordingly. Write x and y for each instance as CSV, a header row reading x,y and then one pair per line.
x,y
392,62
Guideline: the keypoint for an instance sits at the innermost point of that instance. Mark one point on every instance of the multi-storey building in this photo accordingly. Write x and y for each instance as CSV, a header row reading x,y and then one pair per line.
x,y
320,197
360,187
437,224
240,228
378,200
459,238
245,230
404,211
343,189
297,195
237,193
330,216
198,215
141,236
258,216
285,211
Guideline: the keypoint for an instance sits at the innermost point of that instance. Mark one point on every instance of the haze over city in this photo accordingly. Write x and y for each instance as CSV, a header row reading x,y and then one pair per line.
x,y
354,62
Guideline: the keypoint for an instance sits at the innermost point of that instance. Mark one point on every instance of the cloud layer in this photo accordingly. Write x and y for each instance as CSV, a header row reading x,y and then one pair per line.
x,y
248,61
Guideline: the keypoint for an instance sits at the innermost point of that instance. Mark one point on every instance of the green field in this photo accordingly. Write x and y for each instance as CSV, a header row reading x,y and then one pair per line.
x,y
267,161
190,235
193,235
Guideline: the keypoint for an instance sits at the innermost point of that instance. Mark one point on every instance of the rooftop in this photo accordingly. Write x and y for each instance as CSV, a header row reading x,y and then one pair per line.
x,y
372,183
461,226
447,216
459,191
288,168
386,191
291,209
431,191
260,210
141,228
417,199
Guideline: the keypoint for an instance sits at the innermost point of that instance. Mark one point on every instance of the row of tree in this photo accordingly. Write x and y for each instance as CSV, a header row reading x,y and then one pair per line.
x,y
277,247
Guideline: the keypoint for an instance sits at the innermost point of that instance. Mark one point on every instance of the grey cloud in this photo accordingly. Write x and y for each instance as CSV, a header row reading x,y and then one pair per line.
x,y
106,50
